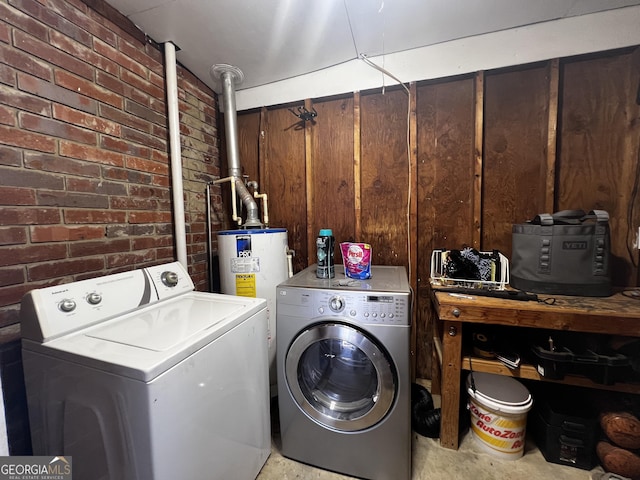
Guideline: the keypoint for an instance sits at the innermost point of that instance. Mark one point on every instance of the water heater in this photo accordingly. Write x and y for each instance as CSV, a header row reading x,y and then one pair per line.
x,y
252,264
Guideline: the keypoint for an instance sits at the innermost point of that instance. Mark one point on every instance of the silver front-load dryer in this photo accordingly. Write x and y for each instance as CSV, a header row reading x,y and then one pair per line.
x,y
343,372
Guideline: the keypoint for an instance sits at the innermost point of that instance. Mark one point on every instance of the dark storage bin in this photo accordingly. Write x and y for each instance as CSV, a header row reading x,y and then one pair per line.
x,y
604,368
565,432
552,364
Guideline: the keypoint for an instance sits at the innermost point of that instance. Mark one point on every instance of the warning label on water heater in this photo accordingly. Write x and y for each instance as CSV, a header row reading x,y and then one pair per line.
x,y
246,285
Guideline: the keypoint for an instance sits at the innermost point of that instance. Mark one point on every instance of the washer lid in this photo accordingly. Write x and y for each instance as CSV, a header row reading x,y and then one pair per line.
x,y
161,329
149,341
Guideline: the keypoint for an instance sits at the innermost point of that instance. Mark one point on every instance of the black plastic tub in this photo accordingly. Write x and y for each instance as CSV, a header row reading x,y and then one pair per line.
x,y
565,432
604,368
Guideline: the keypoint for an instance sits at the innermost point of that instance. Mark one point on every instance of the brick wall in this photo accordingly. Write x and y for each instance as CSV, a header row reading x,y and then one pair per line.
x,y
85,186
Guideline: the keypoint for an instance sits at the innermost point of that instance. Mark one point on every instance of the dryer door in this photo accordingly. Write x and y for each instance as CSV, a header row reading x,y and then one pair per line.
x,y
340,377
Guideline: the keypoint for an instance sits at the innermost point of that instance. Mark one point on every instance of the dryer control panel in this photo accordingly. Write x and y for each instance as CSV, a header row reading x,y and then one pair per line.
x,y
361,307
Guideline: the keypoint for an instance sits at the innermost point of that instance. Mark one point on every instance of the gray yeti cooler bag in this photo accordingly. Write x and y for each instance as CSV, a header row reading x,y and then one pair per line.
x,y
566,253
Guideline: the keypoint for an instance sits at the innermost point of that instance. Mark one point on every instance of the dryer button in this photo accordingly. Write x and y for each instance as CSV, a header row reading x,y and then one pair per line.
x,y
336,304
320,310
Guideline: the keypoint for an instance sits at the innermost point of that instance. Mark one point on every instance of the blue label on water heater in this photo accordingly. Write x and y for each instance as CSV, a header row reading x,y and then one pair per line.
x,y
243,245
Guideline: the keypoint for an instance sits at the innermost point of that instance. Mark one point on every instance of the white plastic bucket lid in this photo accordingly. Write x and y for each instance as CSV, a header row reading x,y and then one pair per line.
x,y
499,393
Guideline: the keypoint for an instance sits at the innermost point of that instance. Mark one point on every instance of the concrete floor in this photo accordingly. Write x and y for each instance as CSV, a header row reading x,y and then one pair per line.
x,y
431,461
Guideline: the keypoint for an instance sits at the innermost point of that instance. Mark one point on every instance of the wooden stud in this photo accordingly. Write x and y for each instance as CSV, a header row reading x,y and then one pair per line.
x,y
478,157
262,150
412,229
308,154
552,135
357,203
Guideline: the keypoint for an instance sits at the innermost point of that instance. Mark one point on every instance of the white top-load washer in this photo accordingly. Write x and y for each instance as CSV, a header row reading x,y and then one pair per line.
x,y
137,376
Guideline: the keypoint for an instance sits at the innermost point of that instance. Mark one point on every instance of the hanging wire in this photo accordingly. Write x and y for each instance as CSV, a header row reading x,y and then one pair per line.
x,y
384,28
365,59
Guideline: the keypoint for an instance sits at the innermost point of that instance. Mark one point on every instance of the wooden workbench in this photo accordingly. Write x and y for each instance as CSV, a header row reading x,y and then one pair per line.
x,y
615,315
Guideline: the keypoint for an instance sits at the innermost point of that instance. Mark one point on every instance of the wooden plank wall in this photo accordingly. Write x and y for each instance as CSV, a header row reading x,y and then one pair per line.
x,y
484,151
385,175
599,162
515,139
332,173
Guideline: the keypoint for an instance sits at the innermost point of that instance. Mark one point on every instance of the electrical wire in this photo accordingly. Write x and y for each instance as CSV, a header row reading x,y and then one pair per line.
x,y
353,37
634,294
366,60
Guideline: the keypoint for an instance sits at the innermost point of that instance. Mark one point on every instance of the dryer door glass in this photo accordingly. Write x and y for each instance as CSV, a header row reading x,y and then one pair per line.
x,y
340,377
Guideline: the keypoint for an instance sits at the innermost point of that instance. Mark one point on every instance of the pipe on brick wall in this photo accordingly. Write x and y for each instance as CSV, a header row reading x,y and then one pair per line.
x,y
176,154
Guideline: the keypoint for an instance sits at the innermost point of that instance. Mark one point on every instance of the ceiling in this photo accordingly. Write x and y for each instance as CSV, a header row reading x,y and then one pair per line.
x,y
274,40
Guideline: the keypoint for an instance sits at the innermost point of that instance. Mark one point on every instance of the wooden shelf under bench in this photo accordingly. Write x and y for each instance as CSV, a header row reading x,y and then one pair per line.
x,y
615,315
530,372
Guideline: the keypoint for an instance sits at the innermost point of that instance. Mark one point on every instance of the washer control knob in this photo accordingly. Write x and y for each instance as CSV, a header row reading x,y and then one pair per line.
x,y
336,304
353,313
170,279
320,310
94,298
67,305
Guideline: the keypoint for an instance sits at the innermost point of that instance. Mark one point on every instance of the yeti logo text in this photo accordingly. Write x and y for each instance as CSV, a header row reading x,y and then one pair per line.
x,y
574,245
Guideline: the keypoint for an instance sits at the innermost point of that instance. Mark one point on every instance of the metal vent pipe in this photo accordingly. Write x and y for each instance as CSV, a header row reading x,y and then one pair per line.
x,y
227,76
